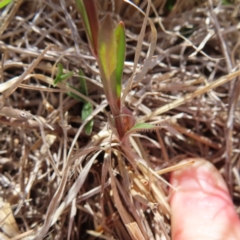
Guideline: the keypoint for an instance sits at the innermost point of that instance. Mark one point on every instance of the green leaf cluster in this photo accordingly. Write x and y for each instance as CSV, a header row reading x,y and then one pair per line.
x,y
87,106
108,46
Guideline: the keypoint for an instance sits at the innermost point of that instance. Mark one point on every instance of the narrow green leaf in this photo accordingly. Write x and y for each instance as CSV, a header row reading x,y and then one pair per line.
x,y
170,4
60,76
142,126
107,63
91,10
88,12
73,95
83,87
138,127
120,51
87,107
4,3
84,16
107,48
59,73
226,2
66,76
86,112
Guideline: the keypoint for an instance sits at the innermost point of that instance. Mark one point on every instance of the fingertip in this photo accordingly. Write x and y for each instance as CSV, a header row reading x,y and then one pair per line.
x,y
202,207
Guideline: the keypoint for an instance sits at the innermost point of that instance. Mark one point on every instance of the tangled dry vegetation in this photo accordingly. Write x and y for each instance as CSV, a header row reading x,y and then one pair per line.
x,y
56,182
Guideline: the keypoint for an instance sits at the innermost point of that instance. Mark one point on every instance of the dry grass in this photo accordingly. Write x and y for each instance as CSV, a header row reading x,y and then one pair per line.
x,y
58,183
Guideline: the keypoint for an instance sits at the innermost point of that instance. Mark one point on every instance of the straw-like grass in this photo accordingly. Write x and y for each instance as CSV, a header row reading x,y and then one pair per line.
x,y
58,183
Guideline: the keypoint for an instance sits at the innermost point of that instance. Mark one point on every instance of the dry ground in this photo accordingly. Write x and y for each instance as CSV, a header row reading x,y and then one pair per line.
x,y
52,174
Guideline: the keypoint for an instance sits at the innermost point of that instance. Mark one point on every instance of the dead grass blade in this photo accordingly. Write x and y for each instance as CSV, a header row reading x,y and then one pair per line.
x,y
191,96
135,231
132,227
16,83
7,221
74,190
138,76
11,10
52,207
